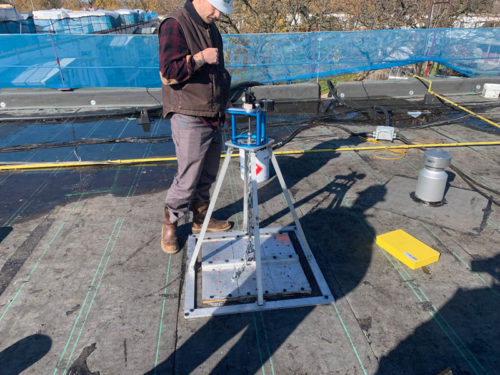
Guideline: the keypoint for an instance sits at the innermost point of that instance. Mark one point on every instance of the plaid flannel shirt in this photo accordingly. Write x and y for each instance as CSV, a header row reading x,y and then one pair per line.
x,y
176,62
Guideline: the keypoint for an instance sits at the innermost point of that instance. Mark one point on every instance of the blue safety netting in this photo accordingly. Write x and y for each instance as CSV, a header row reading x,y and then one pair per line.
x,y
72,61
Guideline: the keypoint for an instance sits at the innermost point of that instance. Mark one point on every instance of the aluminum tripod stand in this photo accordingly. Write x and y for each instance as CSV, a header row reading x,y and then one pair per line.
x,y
239,272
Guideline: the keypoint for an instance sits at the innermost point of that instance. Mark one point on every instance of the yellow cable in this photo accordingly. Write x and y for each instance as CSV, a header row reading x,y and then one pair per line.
x,y
121,162
400,153
366,148
455,104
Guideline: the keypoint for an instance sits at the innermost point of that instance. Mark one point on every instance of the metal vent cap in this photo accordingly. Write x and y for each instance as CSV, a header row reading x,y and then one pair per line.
x,y
437,158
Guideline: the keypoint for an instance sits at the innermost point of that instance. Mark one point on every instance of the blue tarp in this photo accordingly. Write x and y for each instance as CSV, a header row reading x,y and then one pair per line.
x,y
132,60
24,26
84,25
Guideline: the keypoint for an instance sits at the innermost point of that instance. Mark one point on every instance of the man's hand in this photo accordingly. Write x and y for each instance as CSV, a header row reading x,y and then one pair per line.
x,y
211,55
207,56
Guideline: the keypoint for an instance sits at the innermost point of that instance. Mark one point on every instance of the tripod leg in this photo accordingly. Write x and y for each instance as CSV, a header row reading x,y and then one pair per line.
x,y
323,286
256,232
211,206
246,181
307,249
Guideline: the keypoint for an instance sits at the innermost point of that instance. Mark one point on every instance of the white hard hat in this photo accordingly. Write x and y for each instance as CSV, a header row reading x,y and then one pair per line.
x,y
224,6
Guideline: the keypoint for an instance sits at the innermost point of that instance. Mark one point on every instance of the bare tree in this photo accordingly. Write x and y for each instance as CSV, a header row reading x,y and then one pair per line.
x,y
25,5
265,16
392,14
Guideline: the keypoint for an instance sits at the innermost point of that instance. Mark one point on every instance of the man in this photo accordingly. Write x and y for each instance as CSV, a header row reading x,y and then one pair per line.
x,y
195,89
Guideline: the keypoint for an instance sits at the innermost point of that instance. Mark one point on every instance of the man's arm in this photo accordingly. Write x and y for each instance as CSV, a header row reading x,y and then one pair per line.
x,y
176,63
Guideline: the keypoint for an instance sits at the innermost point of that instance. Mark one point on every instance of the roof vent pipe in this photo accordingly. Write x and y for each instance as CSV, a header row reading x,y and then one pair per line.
x,y
431,183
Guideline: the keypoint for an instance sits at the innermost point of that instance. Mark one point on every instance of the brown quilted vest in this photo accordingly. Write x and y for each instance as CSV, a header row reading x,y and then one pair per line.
x,y
207,91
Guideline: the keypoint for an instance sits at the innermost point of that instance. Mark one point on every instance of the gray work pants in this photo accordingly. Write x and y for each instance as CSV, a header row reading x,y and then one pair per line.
x,y
198,148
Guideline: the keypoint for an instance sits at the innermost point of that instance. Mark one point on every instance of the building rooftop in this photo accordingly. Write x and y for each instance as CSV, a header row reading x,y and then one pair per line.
x,y
85,287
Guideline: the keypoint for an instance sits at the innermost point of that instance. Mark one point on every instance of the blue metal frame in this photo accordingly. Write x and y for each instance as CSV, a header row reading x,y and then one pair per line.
x,y
260,132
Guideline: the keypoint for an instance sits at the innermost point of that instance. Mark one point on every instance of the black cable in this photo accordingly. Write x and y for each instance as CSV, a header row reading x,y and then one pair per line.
x,y
237,90
448,105
445,103
292,136
469,182
440,100
436,123
88,141
98,115
151,95
321,123
466,177
403,139
374,109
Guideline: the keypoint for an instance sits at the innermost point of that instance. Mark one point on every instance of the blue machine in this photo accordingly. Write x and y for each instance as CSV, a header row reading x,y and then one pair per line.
x,y
251,109
249,139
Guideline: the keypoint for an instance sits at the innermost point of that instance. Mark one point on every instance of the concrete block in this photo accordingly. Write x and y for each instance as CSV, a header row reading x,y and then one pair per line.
x,y
296,92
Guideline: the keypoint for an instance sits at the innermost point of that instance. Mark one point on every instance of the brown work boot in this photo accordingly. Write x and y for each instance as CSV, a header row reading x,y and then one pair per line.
x,y
169,242
199,212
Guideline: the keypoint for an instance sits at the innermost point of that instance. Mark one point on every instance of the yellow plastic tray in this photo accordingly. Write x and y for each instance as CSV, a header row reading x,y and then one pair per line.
x,y
407,249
